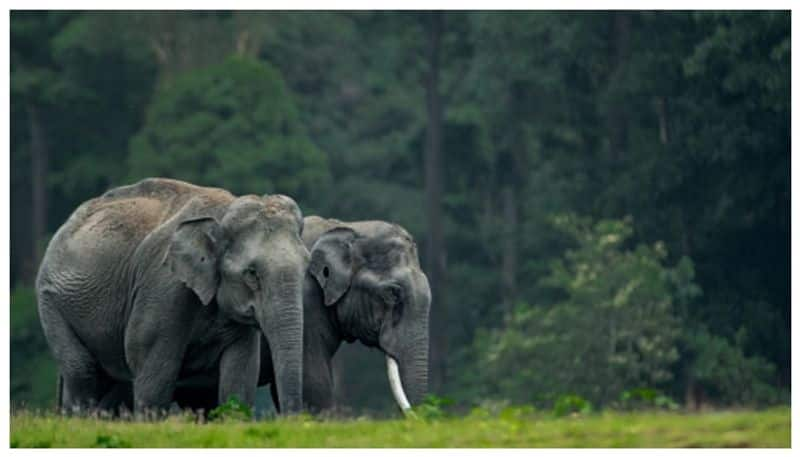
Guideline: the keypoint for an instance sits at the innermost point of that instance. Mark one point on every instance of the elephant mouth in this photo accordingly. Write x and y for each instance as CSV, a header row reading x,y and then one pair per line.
x,y
243,315
244,319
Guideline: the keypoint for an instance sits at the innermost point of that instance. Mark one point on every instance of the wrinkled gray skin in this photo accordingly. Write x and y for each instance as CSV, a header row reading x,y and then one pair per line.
x,y
162,280
364,283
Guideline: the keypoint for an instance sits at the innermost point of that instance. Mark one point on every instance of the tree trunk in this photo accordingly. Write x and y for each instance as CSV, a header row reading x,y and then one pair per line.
x,y
617,116
509,246
689,396
433,205
38,191
663,126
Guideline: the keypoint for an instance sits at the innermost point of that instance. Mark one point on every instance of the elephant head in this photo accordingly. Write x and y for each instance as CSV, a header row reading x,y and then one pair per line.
x,y
369,272
248,257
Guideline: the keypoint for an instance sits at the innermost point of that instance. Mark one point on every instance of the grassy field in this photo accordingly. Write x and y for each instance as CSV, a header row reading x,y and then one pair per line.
x,y
769,428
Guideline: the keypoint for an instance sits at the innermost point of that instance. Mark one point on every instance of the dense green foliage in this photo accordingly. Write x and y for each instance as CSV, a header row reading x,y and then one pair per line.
x,y
513,428
615,184
615,328
231,123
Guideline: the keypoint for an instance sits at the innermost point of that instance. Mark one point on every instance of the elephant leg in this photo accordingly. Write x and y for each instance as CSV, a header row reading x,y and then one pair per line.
x,y
118,398
273,391
83,388
158,334
317,382
82,380
156,372
238,369
154,384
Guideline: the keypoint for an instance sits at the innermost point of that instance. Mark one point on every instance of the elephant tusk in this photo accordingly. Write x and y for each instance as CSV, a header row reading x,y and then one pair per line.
x,y
397,387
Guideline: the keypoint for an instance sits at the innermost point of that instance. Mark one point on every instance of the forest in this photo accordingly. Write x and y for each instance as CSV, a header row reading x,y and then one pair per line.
x,y
600,199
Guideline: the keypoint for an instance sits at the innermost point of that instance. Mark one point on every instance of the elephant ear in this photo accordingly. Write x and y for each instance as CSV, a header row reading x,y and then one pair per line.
x,y
332,263
193,254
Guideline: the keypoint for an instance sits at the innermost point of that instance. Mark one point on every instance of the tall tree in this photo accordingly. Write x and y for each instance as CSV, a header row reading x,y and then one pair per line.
x,y
617,117
435,253
34,83
232,125
79,84
39,159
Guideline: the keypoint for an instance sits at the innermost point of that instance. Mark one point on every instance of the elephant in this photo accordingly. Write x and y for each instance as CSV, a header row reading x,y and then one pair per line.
x,y
163,280
365,283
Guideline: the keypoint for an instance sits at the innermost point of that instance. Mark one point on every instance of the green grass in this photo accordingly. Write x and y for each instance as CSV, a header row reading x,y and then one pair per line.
x,y
770,428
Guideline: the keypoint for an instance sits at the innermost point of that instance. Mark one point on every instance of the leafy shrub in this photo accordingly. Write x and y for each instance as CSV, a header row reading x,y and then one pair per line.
x,y
232,410
645,398
615,327
571,404
433,407
726,374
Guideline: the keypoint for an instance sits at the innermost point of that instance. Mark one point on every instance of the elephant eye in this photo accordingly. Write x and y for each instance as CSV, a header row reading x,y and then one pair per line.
x,y
251,278
392,294
397,313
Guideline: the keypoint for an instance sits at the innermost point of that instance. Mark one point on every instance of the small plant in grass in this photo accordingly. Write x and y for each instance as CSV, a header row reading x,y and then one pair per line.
x,y
433,407
231,411
517,413
645,398
571,404
111,441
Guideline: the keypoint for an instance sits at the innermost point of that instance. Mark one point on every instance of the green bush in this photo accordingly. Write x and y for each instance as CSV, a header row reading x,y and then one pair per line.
x,y
645,398
571,404
232,410
433,408
726,374
615,327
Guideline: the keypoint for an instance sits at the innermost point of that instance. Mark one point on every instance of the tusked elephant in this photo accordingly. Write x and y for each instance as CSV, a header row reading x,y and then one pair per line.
x,y
162,280
364,283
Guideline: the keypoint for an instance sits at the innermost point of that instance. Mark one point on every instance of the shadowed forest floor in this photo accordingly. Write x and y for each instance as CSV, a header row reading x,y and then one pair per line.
x,y
770,428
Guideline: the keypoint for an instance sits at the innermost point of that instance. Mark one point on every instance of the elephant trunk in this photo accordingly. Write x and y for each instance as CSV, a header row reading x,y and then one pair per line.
x,y
407,358
414,371
408,377
284,332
